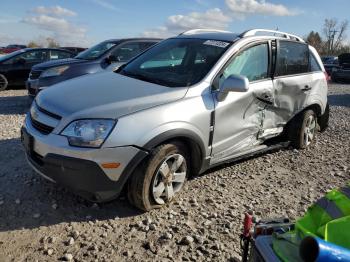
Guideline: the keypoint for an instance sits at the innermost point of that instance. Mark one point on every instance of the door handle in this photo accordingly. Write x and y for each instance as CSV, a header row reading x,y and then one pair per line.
x,y
306,88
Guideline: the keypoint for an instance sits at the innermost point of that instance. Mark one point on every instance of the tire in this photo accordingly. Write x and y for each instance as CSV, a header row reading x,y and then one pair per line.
x,y
3,82
302,130
323,120
159,179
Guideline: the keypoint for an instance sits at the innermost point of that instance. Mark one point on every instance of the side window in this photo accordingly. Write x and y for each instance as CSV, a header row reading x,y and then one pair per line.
x,y
252,63
292,58
29,57
56,54
314,66
127,51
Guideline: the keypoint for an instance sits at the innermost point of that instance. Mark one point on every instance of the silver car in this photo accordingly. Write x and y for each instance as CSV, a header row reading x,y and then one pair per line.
x,y
187,104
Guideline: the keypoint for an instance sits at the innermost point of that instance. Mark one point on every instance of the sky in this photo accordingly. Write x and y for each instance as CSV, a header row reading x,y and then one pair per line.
x,y
87,22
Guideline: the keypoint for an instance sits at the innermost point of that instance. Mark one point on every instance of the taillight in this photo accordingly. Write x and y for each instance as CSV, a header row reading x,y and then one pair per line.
x,y
328,78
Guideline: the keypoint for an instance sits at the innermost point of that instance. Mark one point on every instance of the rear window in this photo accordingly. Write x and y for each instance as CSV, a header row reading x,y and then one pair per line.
x,y
292,58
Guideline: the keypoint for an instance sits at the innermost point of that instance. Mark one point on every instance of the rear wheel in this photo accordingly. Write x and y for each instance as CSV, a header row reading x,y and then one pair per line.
x,y
303,129
160,178
3,82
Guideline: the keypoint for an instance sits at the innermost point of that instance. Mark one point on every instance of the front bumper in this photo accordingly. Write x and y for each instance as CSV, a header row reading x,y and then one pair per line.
x,y
32,86
79,169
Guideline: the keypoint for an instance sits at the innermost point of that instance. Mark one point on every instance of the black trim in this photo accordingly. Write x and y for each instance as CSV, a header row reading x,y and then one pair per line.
x,y
48,113
212,127
131,166
83,177
173,134
42,128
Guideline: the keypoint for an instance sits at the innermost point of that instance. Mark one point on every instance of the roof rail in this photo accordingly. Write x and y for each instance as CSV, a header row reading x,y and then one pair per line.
x,y
195,31
253,32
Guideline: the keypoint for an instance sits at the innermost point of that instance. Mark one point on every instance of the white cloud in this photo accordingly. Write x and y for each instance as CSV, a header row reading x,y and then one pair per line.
x,y
251,7
54,11
212,18
54,21
217,19
106,4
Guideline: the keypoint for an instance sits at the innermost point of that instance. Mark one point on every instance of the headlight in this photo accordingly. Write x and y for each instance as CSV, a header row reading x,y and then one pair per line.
x,y
88,132
55,71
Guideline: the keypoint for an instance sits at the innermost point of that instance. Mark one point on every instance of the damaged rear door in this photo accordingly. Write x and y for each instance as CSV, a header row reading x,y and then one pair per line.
x,y
292,81
240,118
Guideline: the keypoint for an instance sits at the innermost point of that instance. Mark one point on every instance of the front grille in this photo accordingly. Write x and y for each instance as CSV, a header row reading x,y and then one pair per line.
x,y
42,128
35,74
49,113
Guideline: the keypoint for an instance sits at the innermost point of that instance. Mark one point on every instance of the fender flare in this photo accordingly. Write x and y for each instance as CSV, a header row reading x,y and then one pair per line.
x,y
157,140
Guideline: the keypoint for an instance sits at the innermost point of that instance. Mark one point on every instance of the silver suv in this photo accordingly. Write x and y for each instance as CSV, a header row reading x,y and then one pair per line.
x,y
187,104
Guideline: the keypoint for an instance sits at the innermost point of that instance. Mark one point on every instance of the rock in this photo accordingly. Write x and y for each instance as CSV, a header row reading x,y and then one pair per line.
x,y
18,201
127,253
187,240
70,241
68,257
51,240
199,239
49,251
152,227
167,235
54,206
75,234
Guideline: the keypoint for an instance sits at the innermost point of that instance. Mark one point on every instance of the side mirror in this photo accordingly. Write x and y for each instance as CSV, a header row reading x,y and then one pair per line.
x,y
234,83
112,59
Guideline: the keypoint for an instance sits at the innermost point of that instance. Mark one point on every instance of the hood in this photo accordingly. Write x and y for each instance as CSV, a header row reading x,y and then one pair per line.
x,y
60,62
344,60
105,95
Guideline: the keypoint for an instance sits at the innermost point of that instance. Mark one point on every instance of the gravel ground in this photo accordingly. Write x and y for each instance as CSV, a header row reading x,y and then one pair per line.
x,y
40,221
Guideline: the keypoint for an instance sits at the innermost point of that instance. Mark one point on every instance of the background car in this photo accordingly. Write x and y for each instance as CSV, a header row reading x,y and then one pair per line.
x,y
341,72
12,48
73,49
15,67
329,62
107,55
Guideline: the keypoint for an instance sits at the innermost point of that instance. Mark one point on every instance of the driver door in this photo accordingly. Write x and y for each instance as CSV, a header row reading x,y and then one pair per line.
x,y
239,119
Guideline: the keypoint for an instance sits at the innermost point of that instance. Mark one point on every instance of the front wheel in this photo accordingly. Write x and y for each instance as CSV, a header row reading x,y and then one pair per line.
x,y
3,82
304,129
160,178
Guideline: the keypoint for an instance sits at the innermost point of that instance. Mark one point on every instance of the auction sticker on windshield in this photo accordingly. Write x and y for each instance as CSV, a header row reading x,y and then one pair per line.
x,y
221,44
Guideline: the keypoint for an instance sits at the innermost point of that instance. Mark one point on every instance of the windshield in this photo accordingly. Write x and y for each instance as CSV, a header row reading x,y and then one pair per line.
x,y
96,51
5,57
176,62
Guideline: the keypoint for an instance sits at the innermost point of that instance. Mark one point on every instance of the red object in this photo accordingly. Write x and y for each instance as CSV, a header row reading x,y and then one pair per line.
x,y
247,224
12,48
328,78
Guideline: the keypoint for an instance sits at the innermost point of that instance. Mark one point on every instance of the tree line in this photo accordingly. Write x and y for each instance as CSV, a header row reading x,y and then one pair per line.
x,y
332,39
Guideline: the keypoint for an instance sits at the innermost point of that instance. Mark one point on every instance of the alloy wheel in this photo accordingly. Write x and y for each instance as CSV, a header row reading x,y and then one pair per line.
x,y
169,178
310,129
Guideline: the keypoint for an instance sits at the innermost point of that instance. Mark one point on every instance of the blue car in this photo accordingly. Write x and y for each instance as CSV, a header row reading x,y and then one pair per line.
x,y
107,55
